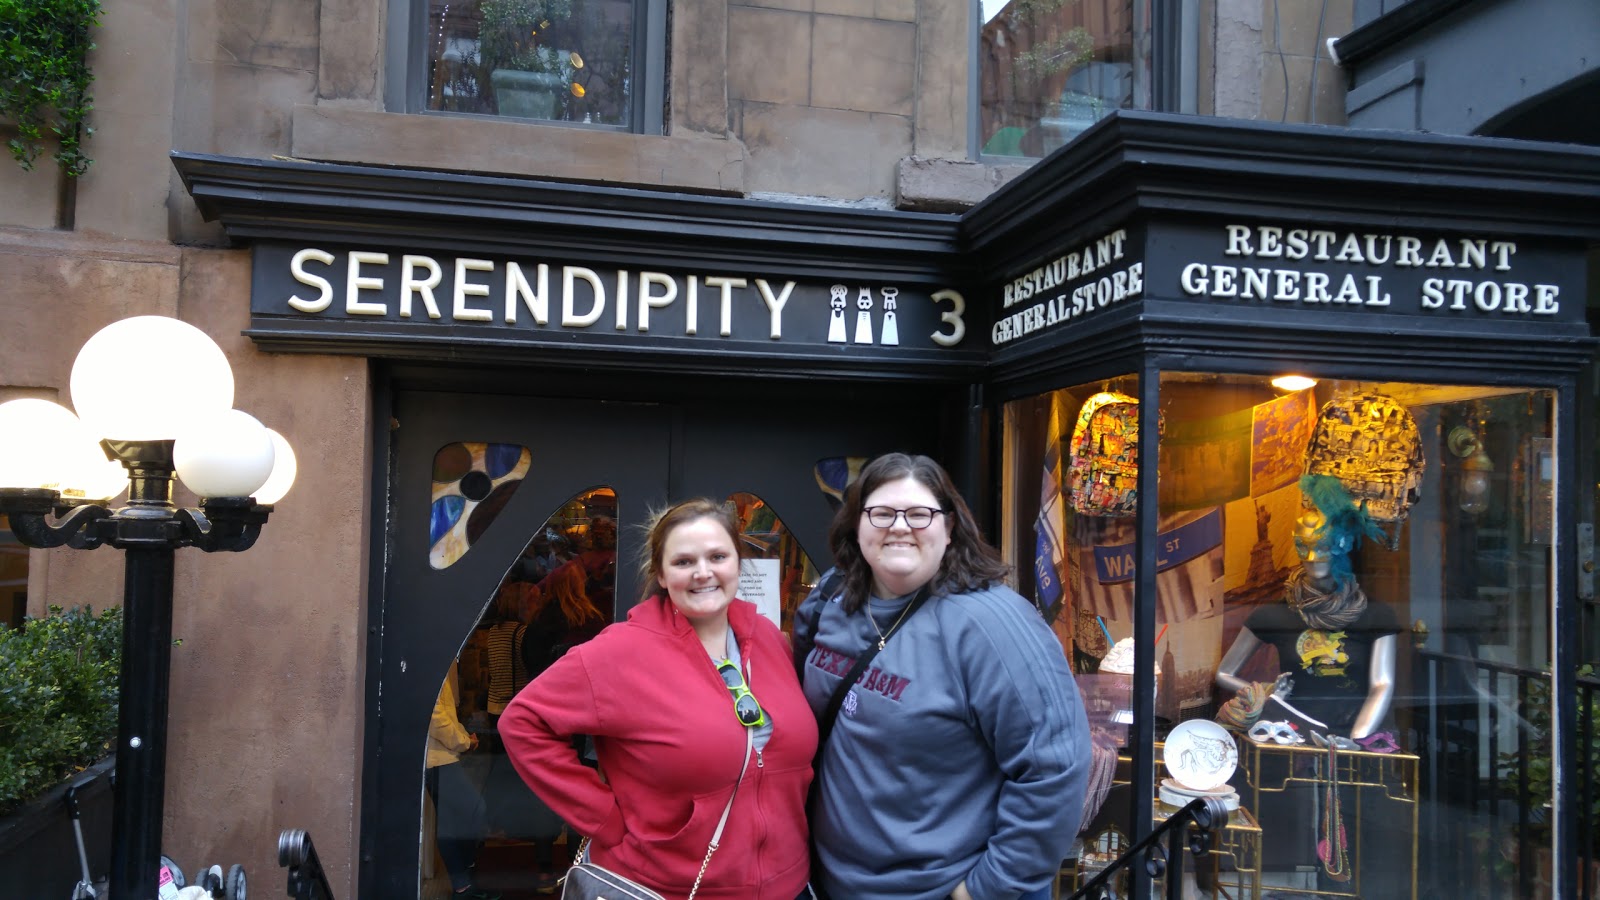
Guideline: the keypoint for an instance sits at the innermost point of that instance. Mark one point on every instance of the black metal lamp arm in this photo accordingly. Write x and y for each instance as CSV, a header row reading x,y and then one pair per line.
x,y
229,524
28,511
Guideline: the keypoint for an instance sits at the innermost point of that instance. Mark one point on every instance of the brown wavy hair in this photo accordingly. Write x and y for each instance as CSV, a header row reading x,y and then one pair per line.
x,y
566,587
667,521
969,562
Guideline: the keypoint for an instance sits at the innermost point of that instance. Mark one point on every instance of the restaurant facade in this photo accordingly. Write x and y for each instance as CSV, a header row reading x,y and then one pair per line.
x,y
739,263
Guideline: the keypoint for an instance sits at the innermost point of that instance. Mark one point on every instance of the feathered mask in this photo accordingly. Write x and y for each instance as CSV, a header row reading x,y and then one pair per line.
x,y
1344,522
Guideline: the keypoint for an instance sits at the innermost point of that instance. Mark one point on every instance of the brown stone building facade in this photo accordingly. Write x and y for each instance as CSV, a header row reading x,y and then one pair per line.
x,y
874,108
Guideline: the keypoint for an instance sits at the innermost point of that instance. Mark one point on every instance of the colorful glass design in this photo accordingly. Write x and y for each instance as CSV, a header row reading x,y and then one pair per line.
x,y
835,474
471,483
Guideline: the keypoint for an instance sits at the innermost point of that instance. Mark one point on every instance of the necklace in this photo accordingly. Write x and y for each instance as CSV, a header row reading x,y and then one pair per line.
x,y
882,636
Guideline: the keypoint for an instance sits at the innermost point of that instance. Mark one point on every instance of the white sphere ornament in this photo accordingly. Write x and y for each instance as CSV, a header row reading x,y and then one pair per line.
x,y
284,469
224,454
39,441
120,392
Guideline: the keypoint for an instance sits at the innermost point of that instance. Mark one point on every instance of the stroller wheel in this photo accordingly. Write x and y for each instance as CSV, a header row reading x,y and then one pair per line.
x,y
173,870
235,888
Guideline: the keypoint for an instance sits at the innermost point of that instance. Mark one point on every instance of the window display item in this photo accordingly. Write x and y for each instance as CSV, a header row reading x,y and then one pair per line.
x,y
1333,847
1175,795
1245,708
1275,732
1108,693
1103,470
1119,659
1200,755
1371,444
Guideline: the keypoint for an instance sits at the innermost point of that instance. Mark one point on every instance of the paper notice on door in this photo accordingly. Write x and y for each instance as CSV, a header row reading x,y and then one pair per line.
x,y
760,583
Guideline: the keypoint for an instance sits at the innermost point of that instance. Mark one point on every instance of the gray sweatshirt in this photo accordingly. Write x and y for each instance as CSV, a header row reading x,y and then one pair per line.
x,y
962,752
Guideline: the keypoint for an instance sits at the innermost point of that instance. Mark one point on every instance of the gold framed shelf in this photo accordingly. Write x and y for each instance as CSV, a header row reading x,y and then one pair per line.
x,y
1272,768
1240,844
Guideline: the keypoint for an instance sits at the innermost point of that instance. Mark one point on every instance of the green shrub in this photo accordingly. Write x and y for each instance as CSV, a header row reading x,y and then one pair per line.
x,y
58,698
44,77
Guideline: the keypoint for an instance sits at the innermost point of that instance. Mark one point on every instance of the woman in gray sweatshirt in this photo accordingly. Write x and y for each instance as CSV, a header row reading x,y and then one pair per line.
x,y
956,765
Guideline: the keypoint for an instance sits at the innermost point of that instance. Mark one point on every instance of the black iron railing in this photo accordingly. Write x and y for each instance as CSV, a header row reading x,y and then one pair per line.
x,y
306,878
1206,815
1482,730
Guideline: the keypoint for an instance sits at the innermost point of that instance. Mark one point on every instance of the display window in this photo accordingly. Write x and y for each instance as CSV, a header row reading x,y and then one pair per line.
x,y
1353,621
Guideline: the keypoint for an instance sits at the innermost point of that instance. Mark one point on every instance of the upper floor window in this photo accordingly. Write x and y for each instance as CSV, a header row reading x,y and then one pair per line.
x,y
591,62
1048,69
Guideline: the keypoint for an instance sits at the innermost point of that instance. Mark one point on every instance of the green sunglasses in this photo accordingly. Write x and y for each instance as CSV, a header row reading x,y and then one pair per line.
x,y
744,703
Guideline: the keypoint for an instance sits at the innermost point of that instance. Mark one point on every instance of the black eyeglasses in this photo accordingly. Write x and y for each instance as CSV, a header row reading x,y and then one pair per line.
x,y
917,517
744,703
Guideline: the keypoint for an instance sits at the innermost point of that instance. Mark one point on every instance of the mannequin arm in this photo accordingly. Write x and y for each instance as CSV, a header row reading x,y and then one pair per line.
x,y
1381,692
1244,646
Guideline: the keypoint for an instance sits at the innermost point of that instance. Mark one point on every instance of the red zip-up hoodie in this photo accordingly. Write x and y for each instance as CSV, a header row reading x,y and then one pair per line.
x,y
671,749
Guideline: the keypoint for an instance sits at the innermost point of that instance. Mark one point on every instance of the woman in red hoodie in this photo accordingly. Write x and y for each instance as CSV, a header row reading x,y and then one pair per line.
x,y
663,698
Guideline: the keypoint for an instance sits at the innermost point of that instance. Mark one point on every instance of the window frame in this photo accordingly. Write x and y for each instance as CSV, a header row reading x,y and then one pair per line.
x,y
406,78
1170,27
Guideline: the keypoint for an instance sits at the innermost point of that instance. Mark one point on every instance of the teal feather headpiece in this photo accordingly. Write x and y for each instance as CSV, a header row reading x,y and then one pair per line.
x,y
1345,523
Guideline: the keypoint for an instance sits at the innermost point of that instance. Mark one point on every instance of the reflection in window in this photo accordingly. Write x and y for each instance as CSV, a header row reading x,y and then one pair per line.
x,y
1309,529
481,816
560,60
776,573
1051,68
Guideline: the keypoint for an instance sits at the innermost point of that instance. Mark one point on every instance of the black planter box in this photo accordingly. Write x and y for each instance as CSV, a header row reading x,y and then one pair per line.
x,y
38,853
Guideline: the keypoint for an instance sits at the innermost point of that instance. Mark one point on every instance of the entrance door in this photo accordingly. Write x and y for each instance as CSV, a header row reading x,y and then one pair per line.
x,y
507,514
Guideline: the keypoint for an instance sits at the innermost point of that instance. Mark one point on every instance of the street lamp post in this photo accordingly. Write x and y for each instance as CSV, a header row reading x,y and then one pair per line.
x,y
56,491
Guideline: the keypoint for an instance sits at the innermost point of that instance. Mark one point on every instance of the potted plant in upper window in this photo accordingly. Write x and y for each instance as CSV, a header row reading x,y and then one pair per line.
x,y
530,76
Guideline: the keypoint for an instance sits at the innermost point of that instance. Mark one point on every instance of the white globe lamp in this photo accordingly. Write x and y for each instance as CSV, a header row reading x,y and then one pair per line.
x,y
105,376
284,469
42,445
224,454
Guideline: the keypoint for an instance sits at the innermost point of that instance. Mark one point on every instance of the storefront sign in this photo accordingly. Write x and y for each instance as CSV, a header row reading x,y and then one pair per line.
x,y
1372,271
376,290
1294,267
1086,279
1359,268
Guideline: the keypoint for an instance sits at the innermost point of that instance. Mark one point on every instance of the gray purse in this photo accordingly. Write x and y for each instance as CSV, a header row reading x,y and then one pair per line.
x,y
588,881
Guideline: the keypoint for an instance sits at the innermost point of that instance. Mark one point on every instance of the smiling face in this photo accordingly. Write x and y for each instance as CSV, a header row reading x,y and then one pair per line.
x,y
902,559
699,569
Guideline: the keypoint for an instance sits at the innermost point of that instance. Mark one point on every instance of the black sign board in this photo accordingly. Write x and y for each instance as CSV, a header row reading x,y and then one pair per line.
x,y
361,293
1296,269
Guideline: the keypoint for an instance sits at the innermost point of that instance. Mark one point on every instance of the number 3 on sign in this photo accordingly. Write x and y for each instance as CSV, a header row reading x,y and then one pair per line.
x,y
951,317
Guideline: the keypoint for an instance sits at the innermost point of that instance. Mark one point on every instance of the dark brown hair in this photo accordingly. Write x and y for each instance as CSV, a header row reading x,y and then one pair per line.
x,y
667,521
969,562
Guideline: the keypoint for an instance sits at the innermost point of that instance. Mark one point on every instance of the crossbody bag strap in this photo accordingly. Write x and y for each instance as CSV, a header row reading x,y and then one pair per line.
x,y
831,714
716,836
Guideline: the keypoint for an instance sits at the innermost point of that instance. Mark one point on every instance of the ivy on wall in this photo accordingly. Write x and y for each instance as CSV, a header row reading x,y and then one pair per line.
x,y
44,78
